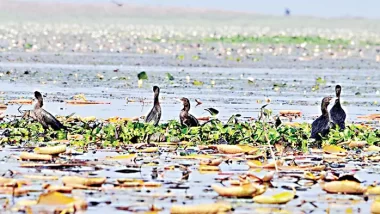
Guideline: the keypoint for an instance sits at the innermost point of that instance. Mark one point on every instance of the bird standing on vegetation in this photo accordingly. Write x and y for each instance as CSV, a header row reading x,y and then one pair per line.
x,y
44,117
338,116
320,126
155,114
185,117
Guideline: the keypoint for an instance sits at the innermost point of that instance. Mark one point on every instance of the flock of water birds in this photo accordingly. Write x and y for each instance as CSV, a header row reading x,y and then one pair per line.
x,y
320,127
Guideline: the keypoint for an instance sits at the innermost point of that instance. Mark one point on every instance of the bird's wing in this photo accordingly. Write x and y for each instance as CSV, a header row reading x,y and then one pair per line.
x,y
51,120
150,116
154,115
317,127
193,121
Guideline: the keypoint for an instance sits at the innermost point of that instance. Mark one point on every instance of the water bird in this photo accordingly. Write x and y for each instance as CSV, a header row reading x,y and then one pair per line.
x,y
42,116
155,114
320,127
185,117
337,114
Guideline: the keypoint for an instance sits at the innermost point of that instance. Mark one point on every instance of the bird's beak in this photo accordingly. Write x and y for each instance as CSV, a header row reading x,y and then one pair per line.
x,y
179,100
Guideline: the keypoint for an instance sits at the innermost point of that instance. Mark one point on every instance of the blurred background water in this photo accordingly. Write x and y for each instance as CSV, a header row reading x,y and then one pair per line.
x,y
318,8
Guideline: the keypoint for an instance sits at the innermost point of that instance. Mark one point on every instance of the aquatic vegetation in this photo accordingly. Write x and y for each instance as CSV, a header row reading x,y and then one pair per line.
x,y
278,39
82,131
166,174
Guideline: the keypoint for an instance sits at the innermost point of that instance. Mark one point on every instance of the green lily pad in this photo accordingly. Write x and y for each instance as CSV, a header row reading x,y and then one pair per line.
x,y
198,83
169,76
142,75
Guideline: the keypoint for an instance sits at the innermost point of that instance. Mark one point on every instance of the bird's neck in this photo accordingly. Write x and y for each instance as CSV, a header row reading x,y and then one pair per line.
x,y
186,107
337,101
324,110
39,104
156,101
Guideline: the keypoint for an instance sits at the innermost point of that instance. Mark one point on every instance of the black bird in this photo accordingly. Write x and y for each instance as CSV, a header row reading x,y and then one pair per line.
x,y
155,114
320,126
186,118
337,114
44,117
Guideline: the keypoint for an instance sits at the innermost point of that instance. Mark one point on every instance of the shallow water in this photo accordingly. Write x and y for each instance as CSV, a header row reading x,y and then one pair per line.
x,y
231,92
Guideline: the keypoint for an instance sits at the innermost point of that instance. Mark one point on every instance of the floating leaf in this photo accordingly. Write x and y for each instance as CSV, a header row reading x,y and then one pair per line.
x,y
7,182
248,149
149,150
28,46
215,162
208,168
61,189
271,165
142,75
69,180
375,207
333,149
217,208
23,204
121,157
50,150
373,148
169,76
281,198
354,144
254,163
287,113
131,184
243,191
197,83
86,102
320,81
40,177
268,176
3,107
59,199
310,176
21,101
373,190
347,187
229,149
37,157
195,156
181,57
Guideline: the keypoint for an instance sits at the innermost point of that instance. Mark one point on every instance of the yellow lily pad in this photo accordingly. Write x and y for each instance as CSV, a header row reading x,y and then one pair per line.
x,y
280,198
333,149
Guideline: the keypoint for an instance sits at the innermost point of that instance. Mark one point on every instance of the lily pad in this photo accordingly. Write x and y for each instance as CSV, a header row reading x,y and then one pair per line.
x,y
142,75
